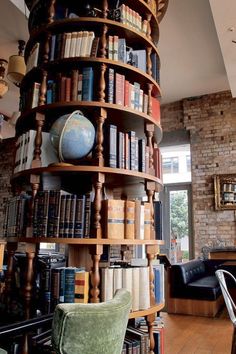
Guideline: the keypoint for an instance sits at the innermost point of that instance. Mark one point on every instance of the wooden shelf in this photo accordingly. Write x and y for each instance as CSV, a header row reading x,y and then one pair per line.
x,y
133,119
88,241
136,37
56,65
116,176
147,312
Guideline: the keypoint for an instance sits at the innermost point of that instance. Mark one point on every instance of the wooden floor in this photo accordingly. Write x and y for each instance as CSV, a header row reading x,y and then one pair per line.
x,y
197,335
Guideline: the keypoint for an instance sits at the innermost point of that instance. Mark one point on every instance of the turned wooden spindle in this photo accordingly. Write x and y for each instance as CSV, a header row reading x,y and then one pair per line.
x,y
100,137
11,249
46,48
104,8
95,275
102,83
43,89
97,204
150,323
29,284
38,141
149,30
103,47
149,110
149,61
51,11
150,133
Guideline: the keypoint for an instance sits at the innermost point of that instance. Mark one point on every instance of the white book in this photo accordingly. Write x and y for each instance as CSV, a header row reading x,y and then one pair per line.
x,y
89,43
35,94
107,284
84,43
144,285
78,43
73,44
33,58
117,279
139,220
67,46
135,289
127,279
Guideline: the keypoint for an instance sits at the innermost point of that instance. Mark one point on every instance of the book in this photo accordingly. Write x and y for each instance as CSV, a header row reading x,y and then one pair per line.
x,y
147,221
69,293
94,48
73,45
119,89
106,284
87,84
129,219
79,217
111,150
81,287
114,213
122,50
87,214
139,220
144,284
110,87
158,219
135,288
117,279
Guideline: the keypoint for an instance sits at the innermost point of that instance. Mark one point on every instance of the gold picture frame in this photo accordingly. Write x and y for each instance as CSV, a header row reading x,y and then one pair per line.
x,y
225,191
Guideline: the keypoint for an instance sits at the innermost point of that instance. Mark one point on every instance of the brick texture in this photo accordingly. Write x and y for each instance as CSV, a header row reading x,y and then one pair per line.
x,y
211,121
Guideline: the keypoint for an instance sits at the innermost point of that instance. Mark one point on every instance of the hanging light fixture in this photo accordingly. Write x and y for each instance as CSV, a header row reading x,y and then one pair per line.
x,y
3,83
16,67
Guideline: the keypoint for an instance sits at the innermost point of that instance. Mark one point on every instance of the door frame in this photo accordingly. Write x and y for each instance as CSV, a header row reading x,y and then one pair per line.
x,y
164,195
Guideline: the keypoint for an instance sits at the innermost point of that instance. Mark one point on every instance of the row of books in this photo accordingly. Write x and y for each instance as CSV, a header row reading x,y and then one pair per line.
x,y
73,44
62,285
136,341
15,216
125,150
25,150
79,86
126,219
58,213
132,19
134,279
121,91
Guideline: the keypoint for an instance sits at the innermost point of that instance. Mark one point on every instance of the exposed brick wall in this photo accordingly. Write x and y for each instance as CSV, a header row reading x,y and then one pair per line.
x,y
7,151
211,121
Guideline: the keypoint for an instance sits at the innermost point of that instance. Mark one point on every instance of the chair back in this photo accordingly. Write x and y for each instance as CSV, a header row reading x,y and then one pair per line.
x,y
220,273
91,328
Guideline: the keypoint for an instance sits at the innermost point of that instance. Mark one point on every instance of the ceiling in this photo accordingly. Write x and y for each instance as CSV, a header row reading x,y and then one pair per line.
x,y
192,63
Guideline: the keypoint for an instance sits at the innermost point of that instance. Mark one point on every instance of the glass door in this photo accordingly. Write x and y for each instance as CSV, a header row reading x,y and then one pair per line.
x,y
177,225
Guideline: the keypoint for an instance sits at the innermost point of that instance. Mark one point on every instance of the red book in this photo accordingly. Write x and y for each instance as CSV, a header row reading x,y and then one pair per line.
x,y
156,115
68,89
127,94
119,90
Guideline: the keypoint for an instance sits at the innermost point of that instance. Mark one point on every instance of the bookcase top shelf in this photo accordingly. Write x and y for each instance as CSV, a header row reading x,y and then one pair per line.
x,y
132,119
73,24
115,176
87,241
56,65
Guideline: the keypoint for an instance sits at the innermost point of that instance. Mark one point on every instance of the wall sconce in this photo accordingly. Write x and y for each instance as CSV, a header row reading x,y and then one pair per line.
x,y
16,67
3,83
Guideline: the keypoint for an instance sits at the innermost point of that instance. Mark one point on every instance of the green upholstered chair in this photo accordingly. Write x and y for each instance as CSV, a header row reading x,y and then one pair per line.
x,y
91,328
2,351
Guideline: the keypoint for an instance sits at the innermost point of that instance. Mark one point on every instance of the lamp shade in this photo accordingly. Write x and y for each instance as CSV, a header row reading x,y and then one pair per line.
x,y
16,69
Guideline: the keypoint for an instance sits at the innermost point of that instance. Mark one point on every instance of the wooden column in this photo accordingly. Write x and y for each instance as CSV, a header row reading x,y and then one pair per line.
x,y
51,11
104,8
11,249
43,89
150,87
103,47
102,83
38,141
96,252
149,62
149,30
46,48
97,205
102,115
150,133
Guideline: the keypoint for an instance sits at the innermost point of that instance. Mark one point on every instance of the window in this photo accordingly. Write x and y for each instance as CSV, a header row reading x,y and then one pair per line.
x,y
188,163
170,165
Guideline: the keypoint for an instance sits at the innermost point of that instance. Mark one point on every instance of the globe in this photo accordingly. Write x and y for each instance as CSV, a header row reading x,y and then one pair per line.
x,y
72,136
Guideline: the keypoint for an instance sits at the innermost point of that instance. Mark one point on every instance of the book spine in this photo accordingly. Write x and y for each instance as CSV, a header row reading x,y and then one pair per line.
x,y
72,216
112,146
129,219
110,94
69,285
87,215
87,84
79,217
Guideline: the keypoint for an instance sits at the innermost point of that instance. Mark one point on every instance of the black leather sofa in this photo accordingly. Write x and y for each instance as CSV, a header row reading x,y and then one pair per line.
x,y
193,288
